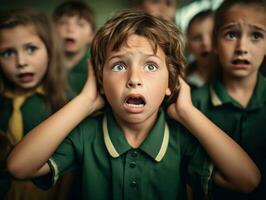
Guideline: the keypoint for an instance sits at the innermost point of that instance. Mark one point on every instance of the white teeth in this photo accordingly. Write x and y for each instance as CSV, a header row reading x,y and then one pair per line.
x,y
135,105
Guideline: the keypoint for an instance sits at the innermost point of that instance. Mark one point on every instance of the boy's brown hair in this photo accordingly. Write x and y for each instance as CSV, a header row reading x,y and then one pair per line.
x,y
161,33
54,79
75,8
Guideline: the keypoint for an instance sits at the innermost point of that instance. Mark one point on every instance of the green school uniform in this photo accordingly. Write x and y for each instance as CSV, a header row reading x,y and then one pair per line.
x,y
112,169
245,125
78,74
34,110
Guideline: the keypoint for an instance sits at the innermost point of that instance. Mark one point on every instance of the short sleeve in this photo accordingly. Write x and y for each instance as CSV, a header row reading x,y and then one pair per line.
x,y
200,170
198,166
62,160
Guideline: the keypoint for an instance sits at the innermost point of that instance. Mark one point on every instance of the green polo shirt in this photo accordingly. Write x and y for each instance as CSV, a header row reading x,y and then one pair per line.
x,y
244,125
78,74
34,110
112,169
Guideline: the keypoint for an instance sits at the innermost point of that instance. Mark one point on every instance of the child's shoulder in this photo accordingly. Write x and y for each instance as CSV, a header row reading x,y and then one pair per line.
x,y
179,134
89,126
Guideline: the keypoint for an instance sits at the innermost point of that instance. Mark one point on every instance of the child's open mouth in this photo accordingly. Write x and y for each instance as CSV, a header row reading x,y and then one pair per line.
x,y
25,77
135,103
240,62
69,40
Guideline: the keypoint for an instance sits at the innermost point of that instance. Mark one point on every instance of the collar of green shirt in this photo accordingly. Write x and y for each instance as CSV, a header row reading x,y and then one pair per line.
x,y
220,96
155,145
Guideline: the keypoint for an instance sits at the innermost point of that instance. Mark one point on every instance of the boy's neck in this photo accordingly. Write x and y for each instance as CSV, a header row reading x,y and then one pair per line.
x,y
136,133
72,58
241,89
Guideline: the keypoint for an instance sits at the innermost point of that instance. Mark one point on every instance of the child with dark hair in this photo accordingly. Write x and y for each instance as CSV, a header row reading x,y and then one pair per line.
x,y
199,46
132,150
75,24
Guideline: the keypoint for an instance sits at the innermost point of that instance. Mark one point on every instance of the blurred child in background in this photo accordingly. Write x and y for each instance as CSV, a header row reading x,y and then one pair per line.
x,y
199,46
158,8
32,79
75,24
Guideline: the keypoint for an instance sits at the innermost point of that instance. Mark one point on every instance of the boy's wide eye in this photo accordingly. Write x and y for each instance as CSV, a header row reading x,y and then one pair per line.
x,y
118,67
31,49
7,53
151,67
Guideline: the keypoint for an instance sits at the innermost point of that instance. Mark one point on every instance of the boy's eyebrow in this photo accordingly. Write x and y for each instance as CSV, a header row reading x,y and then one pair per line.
x,y
122,55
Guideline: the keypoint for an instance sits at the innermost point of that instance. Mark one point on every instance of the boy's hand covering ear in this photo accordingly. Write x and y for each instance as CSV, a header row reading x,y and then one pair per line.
x,y
183,101
90,90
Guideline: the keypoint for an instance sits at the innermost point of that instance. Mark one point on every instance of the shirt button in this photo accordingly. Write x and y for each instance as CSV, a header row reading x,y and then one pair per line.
x,y
132,165
134,154
133,184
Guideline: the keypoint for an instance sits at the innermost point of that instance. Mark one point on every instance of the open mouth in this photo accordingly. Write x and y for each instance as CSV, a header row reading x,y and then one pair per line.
x,y
240,62
135,101
69,40
26,77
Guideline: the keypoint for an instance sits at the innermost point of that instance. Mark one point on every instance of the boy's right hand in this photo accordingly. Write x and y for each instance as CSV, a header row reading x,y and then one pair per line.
x,y
90,91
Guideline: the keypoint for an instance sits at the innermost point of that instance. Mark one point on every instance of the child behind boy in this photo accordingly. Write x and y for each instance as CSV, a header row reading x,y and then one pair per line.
x,y
236,100
199,45
75,24
158,8
132,151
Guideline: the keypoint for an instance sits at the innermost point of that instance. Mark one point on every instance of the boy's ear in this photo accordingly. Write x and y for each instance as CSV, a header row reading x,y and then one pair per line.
x,y
168,92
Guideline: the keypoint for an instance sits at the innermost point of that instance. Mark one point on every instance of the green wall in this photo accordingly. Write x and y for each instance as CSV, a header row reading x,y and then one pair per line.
x,y
103,8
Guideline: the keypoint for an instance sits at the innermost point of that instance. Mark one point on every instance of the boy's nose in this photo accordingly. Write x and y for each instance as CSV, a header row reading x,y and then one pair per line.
x,y
134,80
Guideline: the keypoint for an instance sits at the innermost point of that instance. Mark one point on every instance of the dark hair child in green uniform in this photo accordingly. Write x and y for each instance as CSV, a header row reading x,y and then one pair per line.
x,y
236,100
31,76
133,150
199,46
75,24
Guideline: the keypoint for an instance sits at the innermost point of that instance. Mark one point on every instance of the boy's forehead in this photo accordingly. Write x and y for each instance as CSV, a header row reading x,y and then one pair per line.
x,y
132,42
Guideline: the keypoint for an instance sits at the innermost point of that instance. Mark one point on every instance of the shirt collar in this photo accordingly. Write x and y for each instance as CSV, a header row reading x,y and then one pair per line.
x,y
12,95
220,96
155,145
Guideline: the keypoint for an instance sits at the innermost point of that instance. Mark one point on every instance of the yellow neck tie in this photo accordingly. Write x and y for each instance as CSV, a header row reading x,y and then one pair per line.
x,y
15,124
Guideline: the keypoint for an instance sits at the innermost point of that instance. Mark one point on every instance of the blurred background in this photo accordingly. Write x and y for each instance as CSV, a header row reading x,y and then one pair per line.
x,y
105,8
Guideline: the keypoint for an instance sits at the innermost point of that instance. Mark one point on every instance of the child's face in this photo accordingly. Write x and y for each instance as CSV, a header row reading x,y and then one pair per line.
x,y
160,8
135,80
241,43
199,39
75,32
23,57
